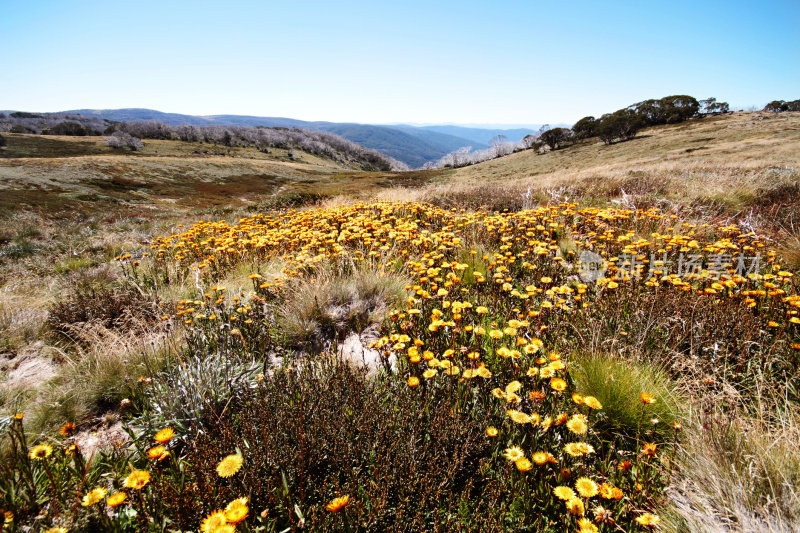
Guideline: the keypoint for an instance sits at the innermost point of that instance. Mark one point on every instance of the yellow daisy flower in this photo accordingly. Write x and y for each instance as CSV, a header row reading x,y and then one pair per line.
x,y
137,479
40,451
514,453
93,496
230,465
564,493
586,487
236,511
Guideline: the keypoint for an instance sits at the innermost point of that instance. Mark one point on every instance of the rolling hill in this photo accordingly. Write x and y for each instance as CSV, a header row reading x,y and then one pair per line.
x,y
68,176
743,165
412,145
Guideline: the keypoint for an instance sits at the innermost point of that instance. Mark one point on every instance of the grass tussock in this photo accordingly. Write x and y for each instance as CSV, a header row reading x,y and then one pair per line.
x,y
618,383
334,301
790,250
104,369
19,327
118,308
741,473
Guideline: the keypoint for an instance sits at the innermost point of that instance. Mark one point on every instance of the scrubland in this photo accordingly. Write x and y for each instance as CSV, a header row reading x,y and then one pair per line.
x,y
184,337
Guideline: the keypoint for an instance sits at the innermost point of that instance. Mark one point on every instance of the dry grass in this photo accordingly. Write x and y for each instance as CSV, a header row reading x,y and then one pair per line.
x,y
716,166
790,250
96,377
740,472
50,377
336,300
697,149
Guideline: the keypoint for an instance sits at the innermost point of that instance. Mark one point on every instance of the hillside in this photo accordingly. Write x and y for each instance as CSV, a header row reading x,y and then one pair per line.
x,y
722,164
63,174
413,145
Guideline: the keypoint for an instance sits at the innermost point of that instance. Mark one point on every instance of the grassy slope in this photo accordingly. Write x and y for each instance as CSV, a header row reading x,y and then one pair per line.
x,y
717,157
80,174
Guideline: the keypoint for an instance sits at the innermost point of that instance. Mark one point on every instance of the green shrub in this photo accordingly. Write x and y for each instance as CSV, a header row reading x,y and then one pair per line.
x,y
19,128
69,128
288,200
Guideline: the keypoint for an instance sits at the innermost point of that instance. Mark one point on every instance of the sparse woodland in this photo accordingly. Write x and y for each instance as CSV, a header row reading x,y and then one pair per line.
x,y
621,125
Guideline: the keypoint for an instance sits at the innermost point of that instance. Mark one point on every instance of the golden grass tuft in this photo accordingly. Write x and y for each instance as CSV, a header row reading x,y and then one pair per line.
x,y
335,300
739,472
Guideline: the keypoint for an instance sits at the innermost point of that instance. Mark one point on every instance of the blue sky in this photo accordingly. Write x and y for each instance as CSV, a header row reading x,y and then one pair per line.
x,y
516,62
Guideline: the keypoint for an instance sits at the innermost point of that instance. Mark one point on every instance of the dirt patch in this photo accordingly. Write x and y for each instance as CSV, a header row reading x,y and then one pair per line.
x,y
104,437
356,348
29,368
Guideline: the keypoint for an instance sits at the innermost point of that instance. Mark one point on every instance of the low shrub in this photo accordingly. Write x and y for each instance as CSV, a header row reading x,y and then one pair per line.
x,y
288,200
112,308
19,250
317,431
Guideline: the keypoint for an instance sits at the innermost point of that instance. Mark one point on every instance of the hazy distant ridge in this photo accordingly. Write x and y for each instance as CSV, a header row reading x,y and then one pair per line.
x,y
413,145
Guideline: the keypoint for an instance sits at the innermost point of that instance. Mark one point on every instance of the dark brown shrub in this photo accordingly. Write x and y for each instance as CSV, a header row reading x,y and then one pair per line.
x,y
115,308
316,432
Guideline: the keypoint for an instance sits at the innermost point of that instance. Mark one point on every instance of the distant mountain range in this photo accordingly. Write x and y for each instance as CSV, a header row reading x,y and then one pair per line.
x,y
480,136
413,145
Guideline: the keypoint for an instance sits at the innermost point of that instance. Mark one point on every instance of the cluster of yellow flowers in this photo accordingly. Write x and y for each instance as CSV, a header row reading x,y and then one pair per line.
x,y
136,480
636,246
225,520
555,433
485,287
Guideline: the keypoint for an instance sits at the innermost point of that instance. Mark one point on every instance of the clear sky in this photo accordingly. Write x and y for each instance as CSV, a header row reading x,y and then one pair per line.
x,y
434,61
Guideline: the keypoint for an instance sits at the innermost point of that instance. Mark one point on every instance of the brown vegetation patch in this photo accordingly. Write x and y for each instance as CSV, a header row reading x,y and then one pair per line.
x,y
20,145
111,308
